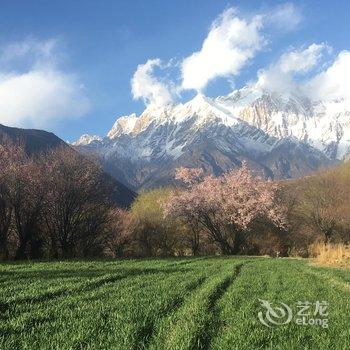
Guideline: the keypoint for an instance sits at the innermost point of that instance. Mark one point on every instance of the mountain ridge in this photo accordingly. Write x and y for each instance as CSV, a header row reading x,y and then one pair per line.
x,y
37,141
280,135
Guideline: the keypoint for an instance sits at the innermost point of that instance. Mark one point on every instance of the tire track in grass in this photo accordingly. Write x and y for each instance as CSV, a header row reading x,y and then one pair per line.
x,y
145,333
334,281
238,305
132,318
36,320
212,325
7,307
60,292
74,277
286,281
186,262
190,327
62,271
90,285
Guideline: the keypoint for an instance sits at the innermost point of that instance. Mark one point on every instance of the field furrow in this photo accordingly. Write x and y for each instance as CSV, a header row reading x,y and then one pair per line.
x,y
190,326
170,304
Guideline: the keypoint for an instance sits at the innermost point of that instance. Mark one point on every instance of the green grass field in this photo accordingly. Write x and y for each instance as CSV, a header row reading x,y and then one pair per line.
x,y
203,303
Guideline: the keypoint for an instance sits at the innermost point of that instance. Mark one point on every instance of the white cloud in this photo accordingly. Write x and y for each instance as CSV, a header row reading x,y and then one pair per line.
x,y
147,87
332,83
301,60
37,51
285,17
294,73
41,93
230,44
280,76
39,97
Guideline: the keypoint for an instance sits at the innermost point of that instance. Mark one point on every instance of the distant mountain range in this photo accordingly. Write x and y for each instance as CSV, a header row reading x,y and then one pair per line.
x,y
279,135
37,141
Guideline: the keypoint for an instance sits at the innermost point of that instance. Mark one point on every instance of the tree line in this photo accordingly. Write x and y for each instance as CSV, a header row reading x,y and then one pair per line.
x,y
58,205
52,205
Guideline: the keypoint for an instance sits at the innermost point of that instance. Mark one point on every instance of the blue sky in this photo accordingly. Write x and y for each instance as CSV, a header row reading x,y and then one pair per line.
x,y
86,53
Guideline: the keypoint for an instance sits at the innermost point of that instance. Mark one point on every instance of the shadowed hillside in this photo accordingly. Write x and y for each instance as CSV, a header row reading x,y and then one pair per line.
x,y
37,141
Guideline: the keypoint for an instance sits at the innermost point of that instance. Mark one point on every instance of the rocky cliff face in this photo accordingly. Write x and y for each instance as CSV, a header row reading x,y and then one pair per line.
x,y
280,136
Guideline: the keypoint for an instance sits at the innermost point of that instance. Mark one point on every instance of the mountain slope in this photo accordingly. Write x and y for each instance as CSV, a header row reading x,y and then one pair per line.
x,y
33,140
36,141
280,136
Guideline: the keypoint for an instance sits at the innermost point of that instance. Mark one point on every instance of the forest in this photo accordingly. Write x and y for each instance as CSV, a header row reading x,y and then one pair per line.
x,y
58,205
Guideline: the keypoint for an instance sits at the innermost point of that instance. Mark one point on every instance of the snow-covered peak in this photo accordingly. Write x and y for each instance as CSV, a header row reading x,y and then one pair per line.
x,y
204,109
86,139
252,96
123,125
201,109
244,96
199,104
324,125
200,101
133,124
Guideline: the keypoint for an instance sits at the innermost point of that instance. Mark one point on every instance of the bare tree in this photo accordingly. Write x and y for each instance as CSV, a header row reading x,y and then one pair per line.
x,y
117,237
8,154
321,197
76,205
21,198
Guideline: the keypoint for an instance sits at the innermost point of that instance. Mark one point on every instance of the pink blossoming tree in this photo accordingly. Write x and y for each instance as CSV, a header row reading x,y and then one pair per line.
x,y
226,207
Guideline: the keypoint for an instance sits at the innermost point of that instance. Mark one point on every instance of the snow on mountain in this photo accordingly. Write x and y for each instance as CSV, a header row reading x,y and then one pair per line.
x,y
321,124
282,135
124,125
86,139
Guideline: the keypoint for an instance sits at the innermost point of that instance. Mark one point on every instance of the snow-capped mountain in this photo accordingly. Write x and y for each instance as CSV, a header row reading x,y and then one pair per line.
x,y
87,140
280,135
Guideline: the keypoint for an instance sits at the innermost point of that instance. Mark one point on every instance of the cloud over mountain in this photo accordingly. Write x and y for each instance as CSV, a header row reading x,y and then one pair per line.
x,y
280,76
233,40
295,72
230,43
146,86
333,82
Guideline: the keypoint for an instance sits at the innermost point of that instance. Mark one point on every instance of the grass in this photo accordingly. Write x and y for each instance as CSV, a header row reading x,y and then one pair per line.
x,y
331,254
203,303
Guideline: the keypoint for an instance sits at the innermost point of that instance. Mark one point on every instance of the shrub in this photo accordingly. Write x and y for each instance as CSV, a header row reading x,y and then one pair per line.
x,y
331,254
